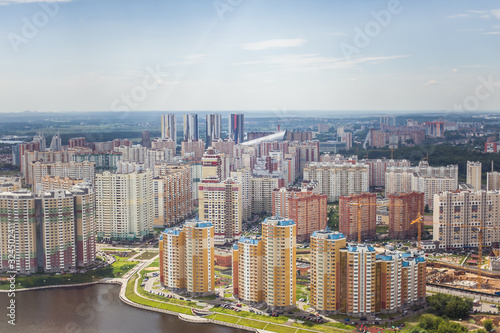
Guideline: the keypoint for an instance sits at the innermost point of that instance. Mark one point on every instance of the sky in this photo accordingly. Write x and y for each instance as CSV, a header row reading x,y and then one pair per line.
x,y
240,55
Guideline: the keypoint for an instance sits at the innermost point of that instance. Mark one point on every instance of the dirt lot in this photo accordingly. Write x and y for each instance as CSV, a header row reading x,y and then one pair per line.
x,y
448,275
478,322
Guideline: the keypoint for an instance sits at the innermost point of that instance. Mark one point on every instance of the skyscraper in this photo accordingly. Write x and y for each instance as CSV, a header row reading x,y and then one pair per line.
x,y
146,139
236,131
191,126
214,126
168,127
55,144
474,174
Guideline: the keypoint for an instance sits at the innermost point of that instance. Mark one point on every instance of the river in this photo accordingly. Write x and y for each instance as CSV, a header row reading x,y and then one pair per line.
x,y
91,309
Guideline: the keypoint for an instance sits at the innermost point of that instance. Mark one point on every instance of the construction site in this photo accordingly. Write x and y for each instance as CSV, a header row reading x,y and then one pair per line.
x,y
462,277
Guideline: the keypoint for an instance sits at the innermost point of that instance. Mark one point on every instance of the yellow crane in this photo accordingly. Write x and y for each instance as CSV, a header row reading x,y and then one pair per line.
x,y
419,220
480,244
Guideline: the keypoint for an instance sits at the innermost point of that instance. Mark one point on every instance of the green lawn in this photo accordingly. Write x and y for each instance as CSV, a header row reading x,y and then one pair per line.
x,y
155,264
245,314
280,329
321,328
252,323
227,319
147,255
301,292
116,269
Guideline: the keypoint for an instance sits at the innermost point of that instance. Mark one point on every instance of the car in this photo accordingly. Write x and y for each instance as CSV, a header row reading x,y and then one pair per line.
x,y
392,318
181,298
493,305
238,305
378,319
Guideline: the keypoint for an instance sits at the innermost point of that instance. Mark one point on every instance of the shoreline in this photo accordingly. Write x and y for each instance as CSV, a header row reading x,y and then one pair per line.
x,y
62,286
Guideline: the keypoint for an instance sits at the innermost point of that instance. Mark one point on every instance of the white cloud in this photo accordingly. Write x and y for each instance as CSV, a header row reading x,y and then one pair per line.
x,y
274,44
455,70
12,2
491,33
313,61
496,13
432,83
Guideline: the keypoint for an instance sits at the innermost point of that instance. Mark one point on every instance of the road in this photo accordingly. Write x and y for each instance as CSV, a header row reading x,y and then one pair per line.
x,y
484,307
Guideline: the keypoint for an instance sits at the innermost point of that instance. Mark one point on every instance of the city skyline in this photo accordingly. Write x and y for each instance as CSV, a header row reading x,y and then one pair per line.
x,y
196,56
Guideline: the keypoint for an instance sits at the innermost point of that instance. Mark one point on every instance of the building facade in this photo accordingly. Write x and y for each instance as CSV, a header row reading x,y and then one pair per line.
x,y
248,280
358,207
403,210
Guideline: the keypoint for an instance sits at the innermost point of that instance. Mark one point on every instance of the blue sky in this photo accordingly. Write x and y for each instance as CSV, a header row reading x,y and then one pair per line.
x,y
232,55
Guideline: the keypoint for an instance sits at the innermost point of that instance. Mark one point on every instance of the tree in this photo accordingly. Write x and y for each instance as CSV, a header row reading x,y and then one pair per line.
x,y
488,325
417,330
429,322
451,327
450,306
426,208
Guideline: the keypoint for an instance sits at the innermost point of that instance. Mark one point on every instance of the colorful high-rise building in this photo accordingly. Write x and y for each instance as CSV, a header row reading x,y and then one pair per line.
x,y
355,207
248,284
187,258
324,275
279,266
221,204
18,232
85,224
403,210
236,127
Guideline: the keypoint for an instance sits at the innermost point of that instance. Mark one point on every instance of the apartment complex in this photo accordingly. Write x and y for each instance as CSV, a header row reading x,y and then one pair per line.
x,y
325,270
474,175
85,224
358,211
279,264
458,216
221,204
308,211
10,184
214,126
244,177
248,284
187,258
173,196
124,205
403,210
193,148
493,181
49,183
262,192
168,127
18,223
336,180
84,171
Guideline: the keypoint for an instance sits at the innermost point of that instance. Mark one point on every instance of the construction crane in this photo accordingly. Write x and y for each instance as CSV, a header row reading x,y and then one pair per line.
x,y
359,205
480,245
419,220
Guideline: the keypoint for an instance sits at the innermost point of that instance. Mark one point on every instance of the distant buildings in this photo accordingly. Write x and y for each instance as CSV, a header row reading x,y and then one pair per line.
x,y
214,127
146,139
191,127
474,175
493,181
193,148
187,258
338,179
236,127
76,171
168,127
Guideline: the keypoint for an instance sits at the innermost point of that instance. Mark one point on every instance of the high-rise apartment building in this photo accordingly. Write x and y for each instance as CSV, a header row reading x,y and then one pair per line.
x,y
244,177
403,210
77,171
357,207
76,142
214,127
168,127
357,280
85,224
187,258
18,223
262,193
125,205
279,266
192,148
248,280
212,164
324,275
493,181
308,211
191,126
58,232
236,127
173,197
457,216
146,139
221,204
336,180
56,143
474,175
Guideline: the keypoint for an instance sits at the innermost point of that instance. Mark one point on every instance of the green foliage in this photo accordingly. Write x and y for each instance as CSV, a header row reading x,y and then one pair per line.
x,y
333,218
429,322
480,331
488,325
417,330
451,327
450,306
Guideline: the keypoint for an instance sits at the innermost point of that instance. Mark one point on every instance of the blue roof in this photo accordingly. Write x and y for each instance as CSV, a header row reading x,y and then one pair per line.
x,y
281,222
371,248
235,246
331,234
383,257
420,259
203,224
406,264
249,241
406,255
173,231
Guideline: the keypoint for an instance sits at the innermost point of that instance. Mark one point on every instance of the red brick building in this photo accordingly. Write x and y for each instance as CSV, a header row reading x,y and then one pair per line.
x,y
403,209
348,215
308,211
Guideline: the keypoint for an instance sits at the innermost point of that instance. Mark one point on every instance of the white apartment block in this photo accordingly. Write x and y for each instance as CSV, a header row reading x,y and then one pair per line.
x,y
243,176
338,179
124,204
457,216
